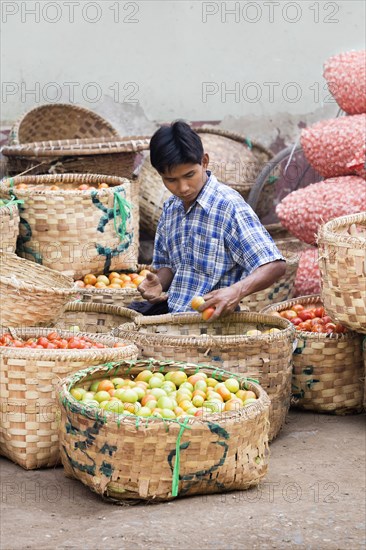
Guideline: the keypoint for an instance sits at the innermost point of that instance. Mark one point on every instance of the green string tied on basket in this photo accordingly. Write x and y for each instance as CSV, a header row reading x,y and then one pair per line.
x,y
249,143
175,481
121,210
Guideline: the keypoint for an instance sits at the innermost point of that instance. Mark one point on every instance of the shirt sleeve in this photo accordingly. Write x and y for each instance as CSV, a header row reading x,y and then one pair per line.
x,y
249,242
160,256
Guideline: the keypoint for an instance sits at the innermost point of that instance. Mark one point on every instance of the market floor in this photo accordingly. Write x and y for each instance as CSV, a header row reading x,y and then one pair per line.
x,y
313,497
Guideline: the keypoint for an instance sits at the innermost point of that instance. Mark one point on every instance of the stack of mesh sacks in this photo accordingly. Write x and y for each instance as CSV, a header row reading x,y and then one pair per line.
x,y
336,149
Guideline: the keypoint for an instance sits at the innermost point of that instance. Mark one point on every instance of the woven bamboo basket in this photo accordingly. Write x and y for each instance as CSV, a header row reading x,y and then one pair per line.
x,y
222,343
130,458
234,160
9,226
342,262
327,369
30,293
74,231
29,412
364,372
60,121
118,297
283,288
86,156
94,318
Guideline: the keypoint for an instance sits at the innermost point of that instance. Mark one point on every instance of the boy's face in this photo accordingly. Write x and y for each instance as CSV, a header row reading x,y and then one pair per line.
x,y
185,181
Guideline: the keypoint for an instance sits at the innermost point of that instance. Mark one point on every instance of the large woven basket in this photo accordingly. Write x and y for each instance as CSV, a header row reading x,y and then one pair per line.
x,y
364,372
74,231
327,369
118,297
60,121
234,160
87,156
342,262
30,293
9,226
94,318
29,422
131,458
186,337
282,289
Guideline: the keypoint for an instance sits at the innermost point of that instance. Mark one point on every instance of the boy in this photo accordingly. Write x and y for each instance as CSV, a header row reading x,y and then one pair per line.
x,y
209,242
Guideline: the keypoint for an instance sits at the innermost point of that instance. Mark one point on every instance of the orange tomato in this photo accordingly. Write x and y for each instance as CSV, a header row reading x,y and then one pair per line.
x,y
133,276
144,272
105,385
99,284
90,279
80,284
138,280
113,275
207,313
196,302
297,307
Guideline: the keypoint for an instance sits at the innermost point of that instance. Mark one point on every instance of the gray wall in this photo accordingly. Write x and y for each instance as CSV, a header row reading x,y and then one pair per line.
x,y
255,66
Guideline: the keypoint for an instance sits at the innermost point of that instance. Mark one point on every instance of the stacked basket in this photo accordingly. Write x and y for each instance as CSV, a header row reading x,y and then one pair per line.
x,y
223,344
342,259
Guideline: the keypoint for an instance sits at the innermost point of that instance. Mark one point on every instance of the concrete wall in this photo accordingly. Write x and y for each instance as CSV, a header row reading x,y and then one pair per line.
x,y
255,66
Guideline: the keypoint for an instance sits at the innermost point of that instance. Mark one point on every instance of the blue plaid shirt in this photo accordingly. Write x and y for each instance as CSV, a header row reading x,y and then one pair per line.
x,y
217,242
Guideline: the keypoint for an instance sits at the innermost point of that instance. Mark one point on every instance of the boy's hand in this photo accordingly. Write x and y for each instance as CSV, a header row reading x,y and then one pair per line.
x,y
151,289
224,300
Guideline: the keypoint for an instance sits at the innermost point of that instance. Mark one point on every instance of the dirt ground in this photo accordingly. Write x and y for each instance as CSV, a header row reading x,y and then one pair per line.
x,y
313,497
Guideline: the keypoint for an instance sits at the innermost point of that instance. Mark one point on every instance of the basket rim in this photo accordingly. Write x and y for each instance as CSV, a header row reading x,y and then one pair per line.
x,y
14,132
209,340
235,136
26,264
327,231
94,307
64,354
67,400
305,300
78,147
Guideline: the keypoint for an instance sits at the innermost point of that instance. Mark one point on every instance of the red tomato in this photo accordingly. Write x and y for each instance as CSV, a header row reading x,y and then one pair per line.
x,y
51,346
327,319
296,321
339,329
305,315
319,311
317,321
53,336
330,326
42,341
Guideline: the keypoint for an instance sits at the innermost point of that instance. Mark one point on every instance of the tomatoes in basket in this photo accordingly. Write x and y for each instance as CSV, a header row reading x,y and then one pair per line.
x,y
54,341
311,319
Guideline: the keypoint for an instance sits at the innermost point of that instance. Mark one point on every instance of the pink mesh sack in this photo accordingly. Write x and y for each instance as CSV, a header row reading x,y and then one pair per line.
x,y
302,212
307,279
346,78
336,147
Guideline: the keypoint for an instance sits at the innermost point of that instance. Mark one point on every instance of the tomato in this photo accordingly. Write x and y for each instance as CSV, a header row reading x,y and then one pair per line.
x,y
42,341
319,311
305,315
340,329
296,321
288,314
330,326
317,321
297,308
53,336
327,319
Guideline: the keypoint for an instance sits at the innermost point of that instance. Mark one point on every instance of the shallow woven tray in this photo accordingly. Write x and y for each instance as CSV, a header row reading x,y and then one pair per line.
x,y
94,318
186,337
30,293
60,121
94,155
342,263
233,160
130,458
29,412
327,369
9,227
62,228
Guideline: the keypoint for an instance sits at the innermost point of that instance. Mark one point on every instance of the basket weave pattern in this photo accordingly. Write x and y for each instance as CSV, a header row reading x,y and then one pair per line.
x,y
342,262
185,337
73,231
327,370
30,293
9,227
28,378
60,121
133,458
94,318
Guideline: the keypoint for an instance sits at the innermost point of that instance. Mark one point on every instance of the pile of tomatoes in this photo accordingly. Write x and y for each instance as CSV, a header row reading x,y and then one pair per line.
x,y
113,280
53,341
311,319
82,187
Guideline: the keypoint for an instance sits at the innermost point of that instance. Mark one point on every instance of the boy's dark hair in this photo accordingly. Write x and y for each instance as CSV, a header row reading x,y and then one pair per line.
x,y
175,144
